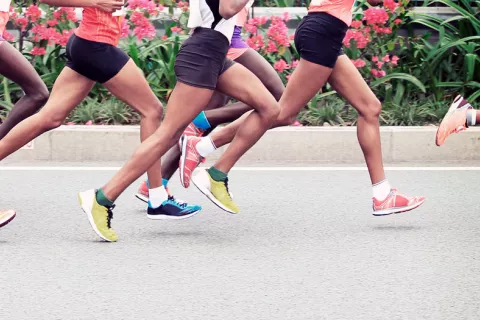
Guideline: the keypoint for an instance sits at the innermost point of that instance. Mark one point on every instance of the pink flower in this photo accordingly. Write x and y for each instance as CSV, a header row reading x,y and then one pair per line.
x,y
395,60
374,59
386,58
52,23
63,38
379,64
89,123
381,73
176,29
251,28
65,14
356,24
294,64
8,36
33,13
397,21
297,123
281,65
390,5
291,37
125,29
70,123
21,23
37,51
272,47
278,32
142,32
286,16
361,39
359,63
288,76
374,72
375,16
256,42
164,37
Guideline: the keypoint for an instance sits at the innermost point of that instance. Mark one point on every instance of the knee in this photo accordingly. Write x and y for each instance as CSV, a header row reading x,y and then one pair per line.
x,y
284,120
271,113
49,121
154,112
371,109
39,96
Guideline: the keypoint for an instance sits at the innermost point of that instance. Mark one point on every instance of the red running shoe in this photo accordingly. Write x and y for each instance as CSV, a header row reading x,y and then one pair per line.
x,y
189,160
455,120
396,203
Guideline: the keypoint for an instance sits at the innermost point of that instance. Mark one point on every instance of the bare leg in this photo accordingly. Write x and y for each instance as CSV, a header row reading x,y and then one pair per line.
x,y
299,91
68,91
130,86
348,82
243,85
15,67
177,117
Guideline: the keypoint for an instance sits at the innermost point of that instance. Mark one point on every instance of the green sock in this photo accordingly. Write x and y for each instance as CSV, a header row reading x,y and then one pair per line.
x,y
216,174
102,199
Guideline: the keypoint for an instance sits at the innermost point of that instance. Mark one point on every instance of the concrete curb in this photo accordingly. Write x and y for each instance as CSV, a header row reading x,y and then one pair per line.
x,y
290,144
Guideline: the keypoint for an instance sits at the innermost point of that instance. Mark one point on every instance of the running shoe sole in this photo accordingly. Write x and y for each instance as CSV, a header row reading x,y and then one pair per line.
x,y
86,209
183,156
7,221
210,196
165,217
141,197
398,210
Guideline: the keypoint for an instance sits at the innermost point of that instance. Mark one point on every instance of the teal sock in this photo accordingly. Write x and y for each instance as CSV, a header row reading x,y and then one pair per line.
x,y
102,199
201,121
216,174
164,182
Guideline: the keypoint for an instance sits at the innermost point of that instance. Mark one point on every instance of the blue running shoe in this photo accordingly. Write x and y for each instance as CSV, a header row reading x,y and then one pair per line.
x,y
172,209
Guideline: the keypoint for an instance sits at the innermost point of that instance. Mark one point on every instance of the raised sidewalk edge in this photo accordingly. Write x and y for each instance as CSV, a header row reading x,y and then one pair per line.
x,y
290,144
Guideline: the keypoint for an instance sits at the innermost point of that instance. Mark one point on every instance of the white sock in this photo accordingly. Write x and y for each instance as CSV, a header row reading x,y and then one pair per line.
x,y
381,189
471,117
156,196
205,146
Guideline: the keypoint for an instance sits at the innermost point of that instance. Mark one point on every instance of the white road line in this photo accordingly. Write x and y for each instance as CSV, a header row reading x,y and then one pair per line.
x,y
61,168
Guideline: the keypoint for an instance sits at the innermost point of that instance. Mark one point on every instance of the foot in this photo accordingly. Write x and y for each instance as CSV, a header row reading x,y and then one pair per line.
x,y
172,209
100,217
189,160
216,191
142,193
6,216
396,203
191,131
455,120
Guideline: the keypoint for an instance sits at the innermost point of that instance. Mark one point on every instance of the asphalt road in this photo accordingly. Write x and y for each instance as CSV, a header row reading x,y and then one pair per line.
x,y
305,246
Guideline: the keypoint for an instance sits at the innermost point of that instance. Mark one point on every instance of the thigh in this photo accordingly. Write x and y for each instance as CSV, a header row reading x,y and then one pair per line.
x,y
304,83
260,67
131,87
69,90
349,83
240,83
14,66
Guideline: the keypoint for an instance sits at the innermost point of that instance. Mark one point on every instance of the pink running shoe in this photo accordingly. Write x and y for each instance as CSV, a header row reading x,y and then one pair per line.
x,y
189,160
191,131
455,120
396,203
6,216
142,193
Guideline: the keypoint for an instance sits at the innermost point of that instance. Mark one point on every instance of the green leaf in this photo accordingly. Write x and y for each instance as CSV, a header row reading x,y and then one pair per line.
x,y
399,76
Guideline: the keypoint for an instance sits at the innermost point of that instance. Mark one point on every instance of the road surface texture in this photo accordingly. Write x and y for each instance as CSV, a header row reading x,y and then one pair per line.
x,y
305,246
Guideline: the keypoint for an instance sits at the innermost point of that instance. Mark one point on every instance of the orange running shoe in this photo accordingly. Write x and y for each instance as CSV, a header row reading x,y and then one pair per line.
x,y
142,193
6,216
455,120
189,160
396,203
193,131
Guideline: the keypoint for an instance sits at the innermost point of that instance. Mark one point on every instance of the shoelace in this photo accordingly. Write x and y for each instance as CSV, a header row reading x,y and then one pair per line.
x,y
110,216
226,186
178,203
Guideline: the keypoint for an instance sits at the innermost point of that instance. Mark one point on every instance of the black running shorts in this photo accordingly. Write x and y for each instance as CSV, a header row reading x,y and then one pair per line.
x,y
202,59
97,61
319,38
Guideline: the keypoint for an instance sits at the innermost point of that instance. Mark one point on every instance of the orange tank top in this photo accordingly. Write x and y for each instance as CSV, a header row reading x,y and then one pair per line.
x,y
243,14
100,26
3,21
341,9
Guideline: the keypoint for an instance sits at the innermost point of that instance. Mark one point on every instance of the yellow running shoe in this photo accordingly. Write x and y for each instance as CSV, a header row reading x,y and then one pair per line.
x,y
216,191
6,216
99,216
